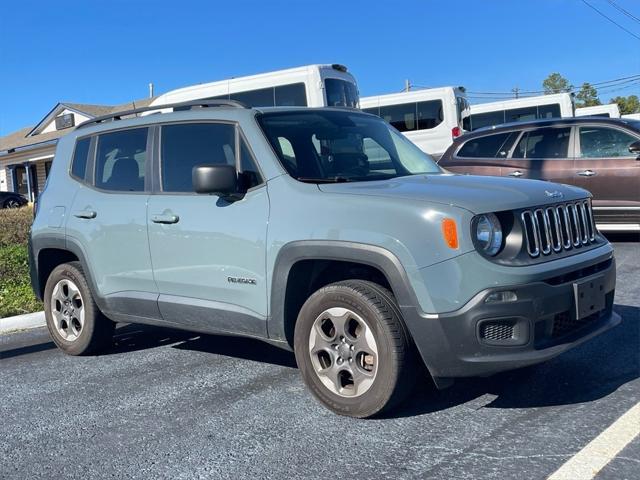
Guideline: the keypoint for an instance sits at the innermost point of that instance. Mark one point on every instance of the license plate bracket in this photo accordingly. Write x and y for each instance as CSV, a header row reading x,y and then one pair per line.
x,y
589,297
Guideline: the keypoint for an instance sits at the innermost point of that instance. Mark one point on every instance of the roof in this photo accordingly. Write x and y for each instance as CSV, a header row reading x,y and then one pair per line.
x,y
24,138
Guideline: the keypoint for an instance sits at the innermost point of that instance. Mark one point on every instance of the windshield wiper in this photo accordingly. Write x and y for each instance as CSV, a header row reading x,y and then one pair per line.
x,y
324,180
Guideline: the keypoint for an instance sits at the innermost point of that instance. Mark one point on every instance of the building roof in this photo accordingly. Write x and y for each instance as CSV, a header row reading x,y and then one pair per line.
x,y
25,138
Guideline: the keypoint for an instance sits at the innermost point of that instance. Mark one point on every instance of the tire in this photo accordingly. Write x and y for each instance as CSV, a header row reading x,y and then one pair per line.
x,y
12,203
373,376
77,327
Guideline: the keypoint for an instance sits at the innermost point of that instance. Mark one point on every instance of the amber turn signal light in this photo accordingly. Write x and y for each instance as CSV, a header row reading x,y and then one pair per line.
x,y
450,233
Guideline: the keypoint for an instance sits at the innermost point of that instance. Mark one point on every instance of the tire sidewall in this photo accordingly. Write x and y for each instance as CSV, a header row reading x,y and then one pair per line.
x,y
378,395
79,345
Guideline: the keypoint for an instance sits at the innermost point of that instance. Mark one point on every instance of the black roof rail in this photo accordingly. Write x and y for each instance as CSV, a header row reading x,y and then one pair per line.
x,y
175,106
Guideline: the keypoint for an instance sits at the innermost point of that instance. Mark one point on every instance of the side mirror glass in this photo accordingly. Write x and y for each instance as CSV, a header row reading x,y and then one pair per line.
x,y
221,180
635,148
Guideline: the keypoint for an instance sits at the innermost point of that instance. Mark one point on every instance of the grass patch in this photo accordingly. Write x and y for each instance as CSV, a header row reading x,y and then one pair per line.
x,y
16,296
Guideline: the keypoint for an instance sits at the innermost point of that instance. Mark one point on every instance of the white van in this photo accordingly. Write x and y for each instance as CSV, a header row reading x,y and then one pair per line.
x,y
632,116
430,118
610,111
520,110
311,85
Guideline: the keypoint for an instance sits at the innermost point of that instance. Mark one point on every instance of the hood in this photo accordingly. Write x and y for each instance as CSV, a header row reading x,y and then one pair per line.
x,y
477,194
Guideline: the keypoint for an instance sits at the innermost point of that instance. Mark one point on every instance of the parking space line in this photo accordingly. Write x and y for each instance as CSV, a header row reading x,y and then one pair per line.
x,y
586,464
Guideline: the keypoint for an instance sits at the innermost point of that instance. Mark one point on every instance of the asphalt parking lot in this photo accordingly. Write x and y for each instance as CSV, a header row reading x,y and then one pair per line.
x,y
168,404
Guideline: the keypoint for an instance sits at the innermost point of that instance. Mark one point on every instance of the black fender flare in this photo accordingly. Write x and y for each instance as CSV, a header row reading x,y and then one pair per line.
x,y
371,255
66,243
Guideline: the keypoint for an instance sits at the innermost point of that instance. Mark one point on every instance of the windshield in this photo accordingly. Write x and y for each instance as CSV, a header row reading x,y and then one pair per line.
x,y
341,93
333,146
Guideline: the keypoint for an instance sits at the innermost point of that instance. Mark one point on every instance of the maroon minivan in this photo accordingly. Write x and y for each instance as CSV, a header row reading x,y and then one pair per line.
x,y
599,154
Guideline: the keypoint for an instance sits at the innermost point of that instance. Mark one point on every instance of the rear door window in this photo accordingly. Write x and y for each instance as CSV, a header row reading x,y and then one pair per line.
x,y
491,146
544,143
604,142
121,160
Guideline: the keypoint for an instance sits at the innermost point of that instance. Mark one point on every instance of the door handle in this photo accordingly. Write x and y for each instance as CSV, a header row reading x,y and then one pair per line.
x,y
587,173
85,214
165,218
517,173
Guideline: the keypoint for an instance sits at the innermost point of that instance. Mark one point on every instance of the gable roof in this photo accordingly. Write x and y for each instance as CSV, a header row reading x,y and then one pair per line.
x,y
26,137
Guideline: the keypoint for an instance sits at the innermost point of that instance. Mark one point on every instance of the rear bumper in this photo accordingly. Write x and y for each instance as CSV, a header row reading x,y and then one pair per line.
x,y
485,338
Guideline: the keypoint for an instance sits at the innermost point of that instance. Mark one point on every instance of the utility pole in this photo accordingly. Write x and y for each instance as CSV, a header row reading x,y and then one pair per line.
x,y
516,92
407,85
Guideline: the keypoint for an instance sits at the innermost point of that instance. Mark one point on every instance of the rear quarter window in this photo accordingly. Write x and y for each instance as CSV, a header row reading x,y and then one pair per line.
x,y
80,158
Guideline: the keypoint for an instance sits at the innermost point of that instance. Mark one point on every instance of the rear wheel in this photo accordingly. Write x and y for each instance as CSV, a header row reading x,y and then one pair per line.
x,y
353,349
74,321
12,203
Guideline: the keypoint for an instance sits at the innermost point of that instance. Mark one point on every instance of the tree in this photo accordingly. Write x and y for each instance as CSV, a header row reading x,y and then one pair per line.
x,y
587,96
556,83
627,105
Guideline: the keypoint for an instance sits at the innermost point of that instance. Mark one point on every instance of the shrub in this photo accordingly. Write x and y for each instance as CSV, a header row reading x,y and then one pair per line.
x,y
14,225
16,296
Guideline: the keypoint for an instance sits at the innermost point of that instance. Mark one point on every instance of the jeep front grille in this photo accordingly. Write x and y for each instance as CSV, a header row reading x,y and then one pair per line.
x,y
557,228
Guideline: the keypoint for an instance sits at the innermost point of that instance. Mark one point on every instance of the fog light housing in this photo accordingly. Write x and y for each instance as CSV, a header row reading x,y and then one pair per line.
x,y
501,297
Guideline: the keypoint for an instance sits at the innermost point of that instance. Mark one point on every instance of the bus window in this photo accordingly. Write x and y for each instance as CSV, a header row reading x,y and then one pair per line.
x,y
255,98
549,111
430,114
341,93
521,114
401,117
487,119
373,111
293,95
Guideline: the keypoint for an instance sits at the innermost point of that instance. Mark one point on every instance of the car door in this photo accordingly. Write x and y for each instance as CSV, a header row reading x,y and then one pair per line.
x,y
607,168
544,153
482,155
208,252
108,218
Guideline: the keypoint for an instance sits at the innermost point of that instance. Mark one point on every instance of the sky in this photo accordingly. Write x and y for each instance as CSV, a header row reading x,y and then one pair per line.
x,y
107,52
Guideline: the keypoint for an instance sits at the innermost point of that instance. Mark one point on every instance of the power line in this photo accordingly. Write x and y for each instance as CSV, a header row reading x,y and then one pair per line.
x,y
610,19
602,85
622,10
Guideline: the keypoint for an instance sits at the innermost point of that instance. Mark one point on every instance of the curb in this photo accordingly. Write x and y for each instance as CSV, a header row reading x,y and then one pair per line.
x,y
22,322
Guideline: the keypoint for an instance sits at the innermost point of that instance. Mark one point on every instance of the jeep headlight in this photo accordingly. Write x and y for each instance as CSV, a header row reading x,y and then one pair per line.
x,y
488,234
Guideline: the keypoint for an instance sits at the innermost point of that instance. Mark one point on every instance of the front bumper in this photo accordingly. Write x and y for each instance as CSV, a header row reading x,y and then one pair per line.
x,y
485,338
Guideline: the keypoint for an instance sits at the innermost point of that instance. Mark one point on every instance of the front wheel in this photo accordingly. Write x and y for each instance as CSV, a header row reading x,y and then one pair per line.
x,y
353,349
74,321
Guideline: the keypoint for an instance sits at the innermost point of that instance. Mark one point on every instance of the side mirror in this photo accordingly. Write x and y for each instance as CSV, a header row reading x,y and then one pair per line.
x,y
635,148
221,180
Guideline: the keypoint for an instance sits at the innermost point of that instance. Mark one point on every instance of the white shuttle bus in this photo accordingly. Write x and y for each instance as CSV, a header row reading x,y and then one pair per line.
x,y
311,85
520,110
611,111
430,118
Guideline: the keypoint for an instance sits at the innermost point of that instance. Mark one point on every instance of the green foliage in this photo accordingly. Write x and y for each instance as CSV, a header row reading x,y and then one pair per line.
x,y
627,105
587,96
14,225
16,296
556,83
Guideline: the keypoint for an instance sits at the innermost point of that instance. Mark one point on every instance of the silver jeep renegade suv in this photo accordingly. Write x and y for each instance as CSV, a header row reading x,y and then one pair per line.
x,y
323,231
